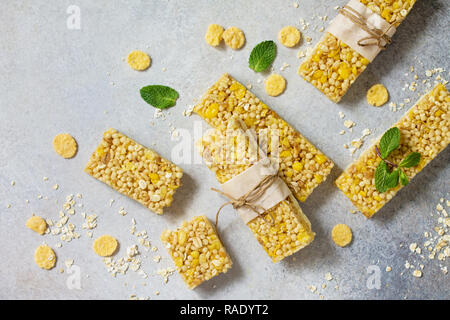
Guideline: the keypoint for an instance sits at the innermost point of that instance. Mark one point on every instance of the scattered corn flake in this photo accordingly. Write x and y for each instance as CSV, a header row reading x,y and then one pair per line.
x,y
105,246
65,145
388,269
122,211
139,60
301,54
349,124
341,235
45,257
417,273
377,95
289,36
68,263
234,38
275,85
213,35
37,224
282,68
328,276
357,144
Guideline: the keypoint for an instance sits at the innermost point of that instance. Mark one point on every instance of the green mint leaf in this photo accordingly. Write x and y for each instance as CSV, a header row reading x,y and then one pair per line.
x,y
392,179
381,174
403,178
160,97
262,56
411,160
389,142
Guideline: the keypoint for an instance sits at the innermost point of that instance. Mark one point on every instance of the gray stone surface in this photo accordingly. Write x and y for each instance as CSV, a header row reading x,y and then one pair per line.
x,y
54,80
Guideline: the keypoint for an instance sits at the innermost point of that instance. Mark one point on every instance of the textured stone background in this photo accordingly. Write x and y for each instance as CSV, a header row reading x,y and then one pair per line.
x,y
58,80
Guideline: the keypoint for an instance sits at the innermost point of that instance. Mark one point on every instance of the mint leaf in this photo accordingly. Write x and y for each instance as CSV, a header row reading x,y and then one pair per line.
x,y
392,179
160,97
381,175
262,56
385,180
411,160
403,178
389,142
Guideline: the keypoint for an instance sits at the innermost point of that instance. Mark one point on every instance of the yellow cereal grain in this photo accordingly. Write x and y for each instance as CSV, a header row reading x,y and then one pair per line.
x,y
65,145
105,245
377,95
37,224
289,36
139,60
213,35
341,235
234,38
275,85
45,257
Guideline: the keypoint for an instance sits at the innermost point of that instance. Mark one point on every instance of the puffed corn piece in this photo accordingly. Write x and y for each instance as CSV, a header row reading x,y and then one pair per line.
x,y
333,66
197,251
135,171
302,166
290,230
424,129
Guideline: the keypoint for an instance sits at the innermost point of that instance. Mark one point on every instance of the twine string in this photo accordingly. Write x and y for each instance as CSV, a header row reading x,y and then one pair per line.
x,y
377,36
248,199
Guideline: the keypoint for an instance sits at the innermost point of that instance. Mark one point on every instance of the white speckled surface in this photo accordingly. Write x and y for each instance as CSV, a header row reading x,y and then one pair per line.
x,y
56,80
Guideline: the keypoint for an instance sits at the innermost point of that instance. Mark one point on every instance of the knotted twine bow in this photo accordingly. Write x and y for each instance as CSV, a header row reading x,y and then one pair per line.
x,y
376,35
248,200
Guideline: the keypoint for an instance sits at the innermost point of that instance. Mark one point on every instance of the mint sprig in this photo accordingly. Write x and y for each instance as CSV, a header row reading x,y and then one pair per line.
x,y
158,96
262,56
388,174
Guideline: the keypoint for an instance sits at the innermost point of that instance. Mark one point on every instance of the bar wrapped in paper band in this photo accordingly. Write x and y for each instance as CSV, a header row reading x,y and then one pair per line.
x,y
301,165
350,44
135,171
424,129
281,230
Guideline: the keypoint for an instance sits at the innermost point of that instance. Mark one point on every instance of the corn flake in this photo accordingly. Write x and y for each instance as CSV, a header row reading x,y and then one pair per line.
x,y
65,145
213,36
37,224
275,85
341,235
377,95
139,60
105,246
289,36
234,38
45,257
